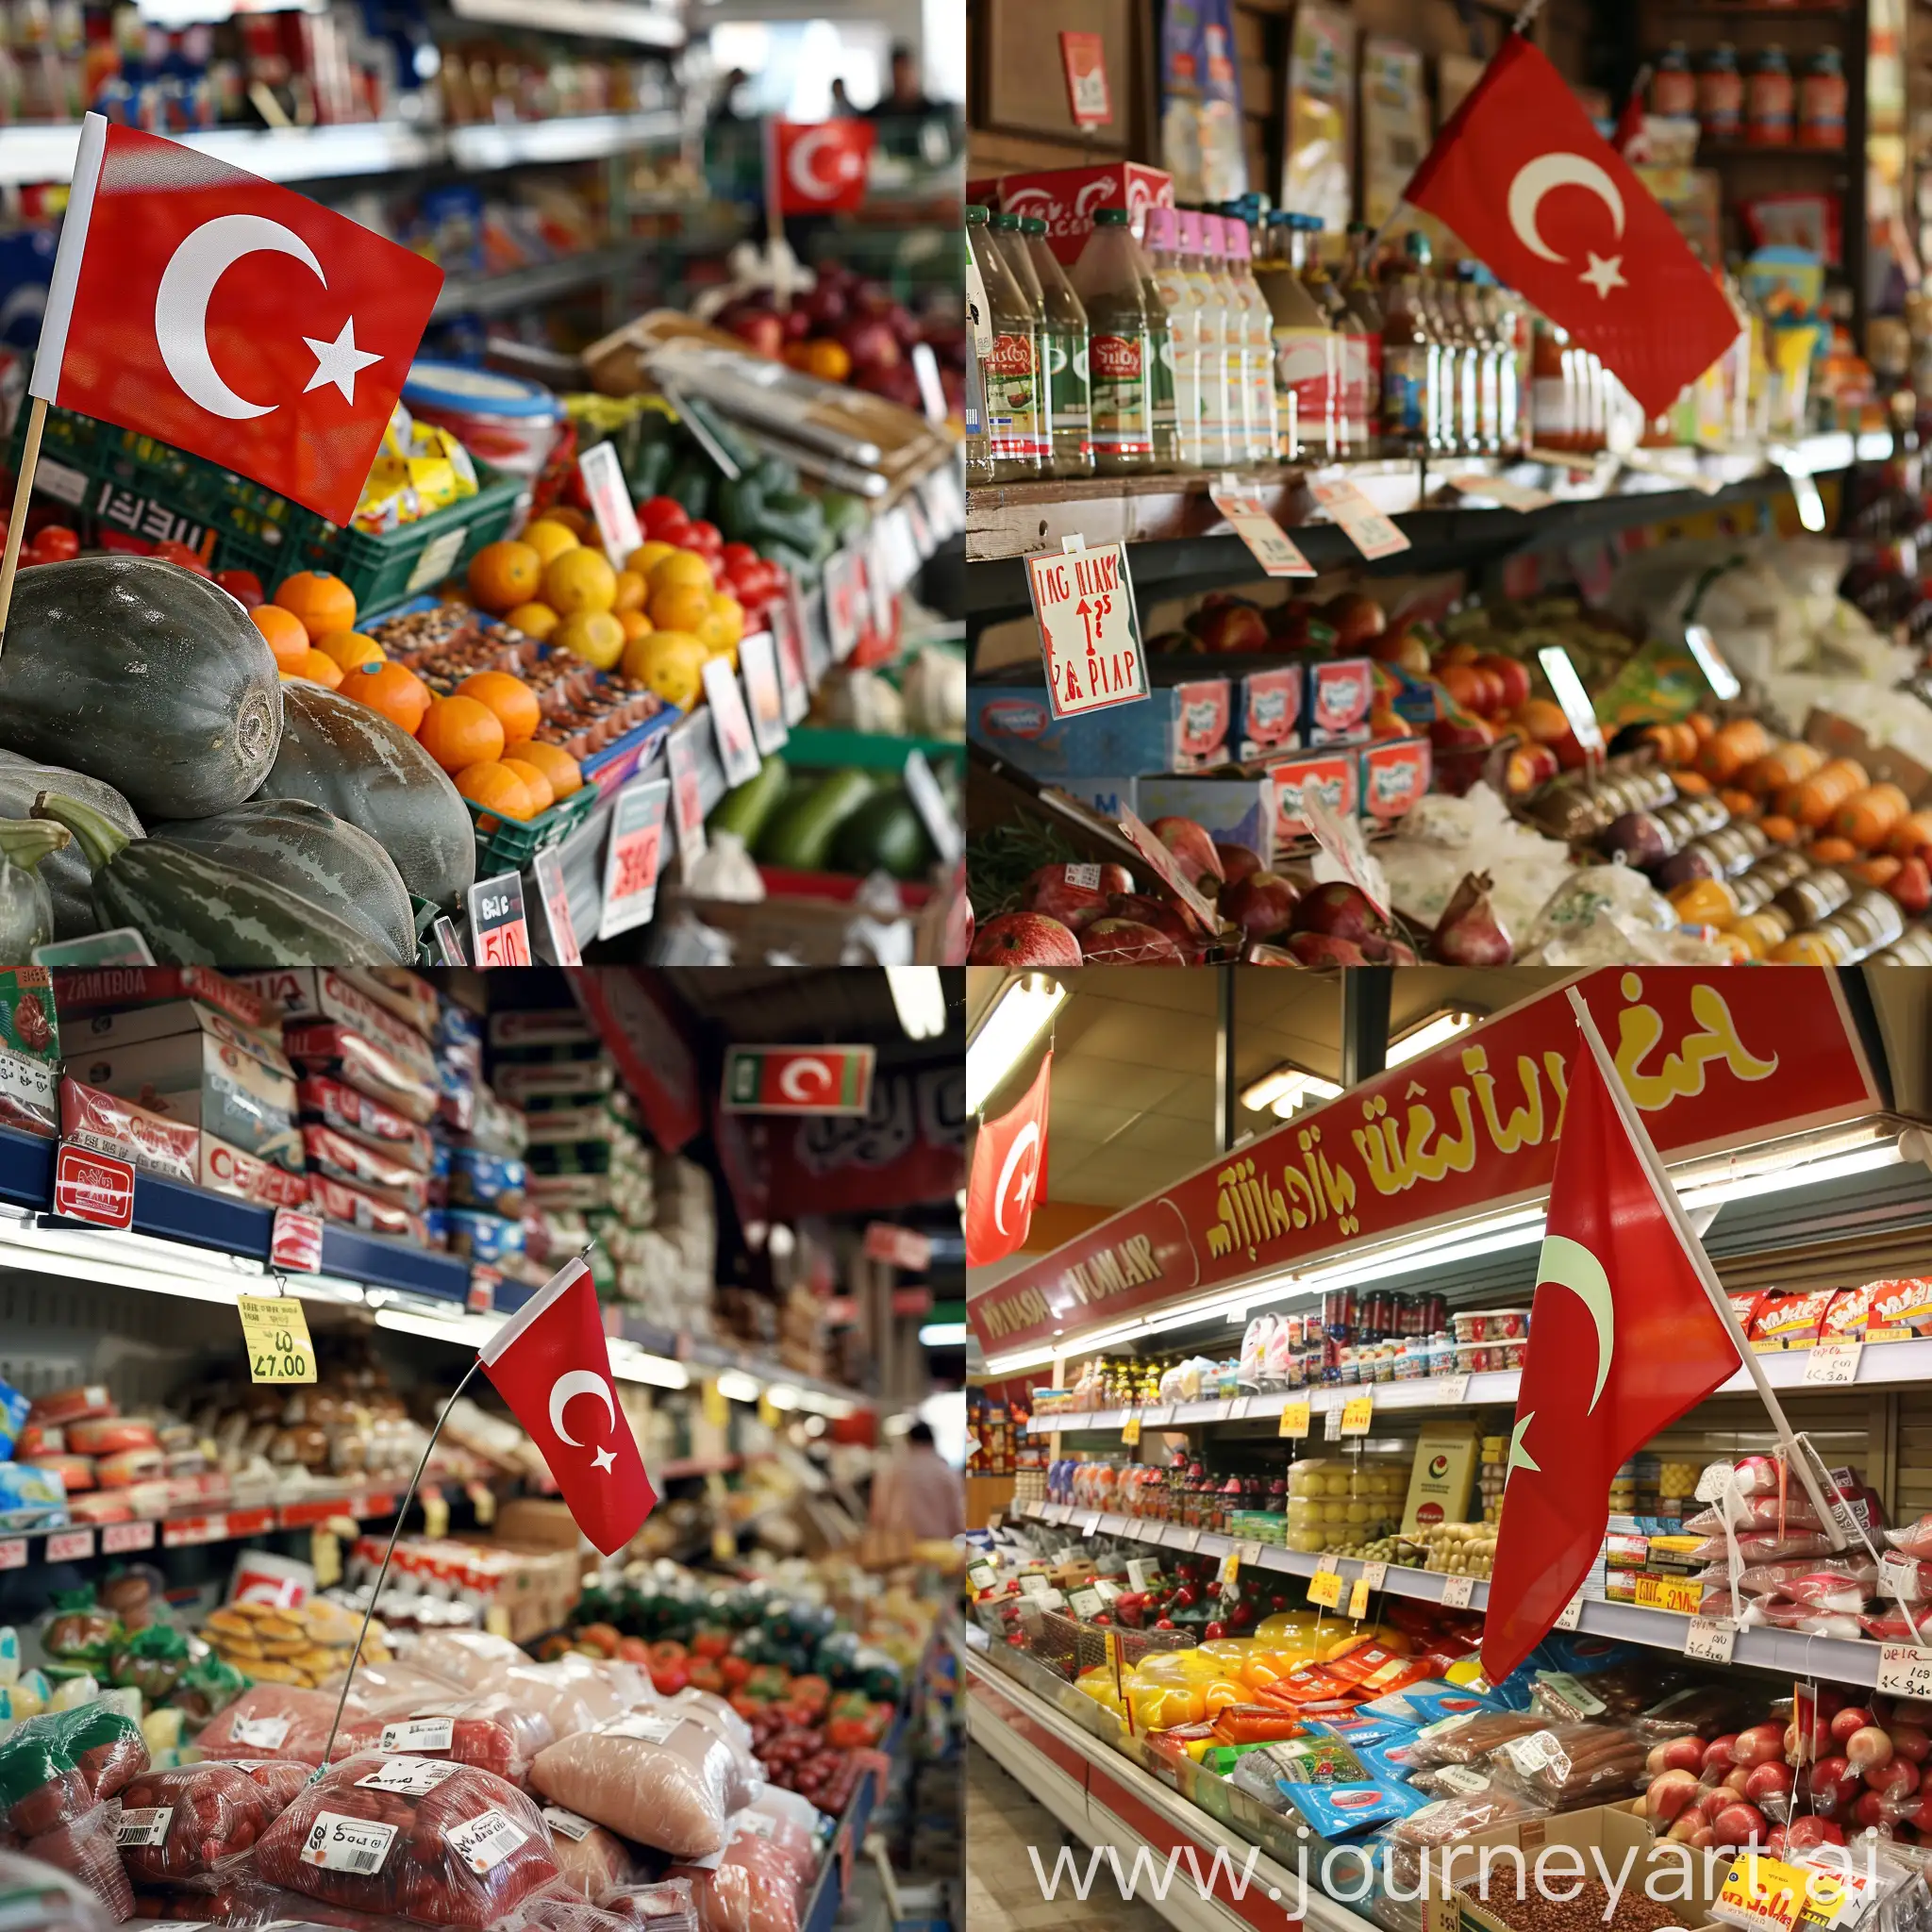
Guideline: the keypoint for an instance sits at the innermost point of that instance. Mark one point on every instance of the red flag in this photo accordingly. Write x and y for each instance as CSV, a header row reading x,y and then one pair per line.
x,y
199,304
551,1363
1008,1159
1622,1339
818,167
1630,122
1524,179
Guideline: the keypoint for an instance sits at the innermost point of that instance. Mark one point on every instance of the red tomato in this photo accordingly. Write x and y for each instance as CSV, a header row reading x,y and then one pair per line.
x,y
710,1644
664,519
668,1679
57,543
706,538
243,586
177,554
737,558
734,1670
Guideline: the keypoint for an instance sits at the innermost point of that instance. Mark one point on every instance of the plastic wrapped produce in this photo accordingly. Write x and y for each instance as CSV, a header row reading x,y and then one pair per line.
x,y
473,1659
84,1848
275,1720
55,1766
748,1777
412,1837
667,1906
1767,1512
759,1883
571,1694
551,1911
496,1733
396,1687
1567,1765
43,1898
1781,1613
184,1824
656,1778
1448,1821
590,1859
1762,1546
241,1897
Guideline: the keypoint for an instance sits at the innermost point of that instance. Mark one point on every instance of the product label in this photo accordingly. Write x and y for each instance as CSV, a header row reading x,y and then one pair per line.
x,y
1010,374
1405,389
483,1842
641,1724
1123,420
261,1733
573,1828
1067,365
347,1844
413,1775
419,1734
145,1826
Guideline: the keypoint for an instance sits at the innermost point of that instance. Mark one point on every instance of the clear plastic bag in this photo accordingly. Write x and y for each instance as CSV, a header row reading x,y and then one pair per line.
x,y
1762,1546
590,1859
753,1887
473,1659
1564,1765
179,1826
668,1905
1464,1740
572,1693
660,1779
410,1837
43,1898
1758,1513
84,1848
494,1734
57,1766
395,1687
277,1721
1913,1540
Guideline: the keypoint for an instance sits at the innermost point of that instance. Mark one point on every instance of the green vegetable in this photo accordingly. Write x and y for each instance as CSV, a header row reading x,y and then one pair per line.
x,y
690,482
142,674
26,908
649,471
776,477
739,509
886,833
64,871
800,836
846,516
746,810
792,518
193,910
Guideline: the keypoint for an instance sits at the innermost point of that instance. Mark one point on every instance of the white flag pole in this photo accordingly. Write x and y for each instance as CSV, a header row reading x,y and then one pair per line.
x,y
1667,1199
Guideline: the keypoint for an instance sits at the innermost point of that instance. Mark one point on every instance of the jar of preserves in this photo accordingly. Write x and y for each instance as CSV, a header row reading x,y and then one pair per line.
x,y
1822,101
1672,85
1720,94
1770,100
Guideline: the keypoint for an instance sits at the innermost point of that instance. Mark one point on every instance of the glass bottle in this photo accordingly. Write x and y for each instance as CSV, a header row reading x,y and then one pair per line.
x,y
1161,367
979,457
1482,408
1068,399
1363,340
1119,353
1411,359
1211,324
1180,298
1011,242
1304,347
1262,416
1508,323
1345,432
1015,407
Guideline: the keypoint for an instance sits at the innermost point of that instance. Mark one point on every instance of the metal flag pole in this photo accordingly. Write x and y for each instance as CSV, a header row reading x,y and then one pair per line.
x,y
1667,1199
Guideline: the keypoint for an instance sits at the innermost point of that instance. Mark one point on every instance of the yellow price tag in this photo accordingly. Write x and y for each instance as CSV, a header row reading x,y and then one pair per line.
x,y
768,1411
723,1545
1357,1412
326,1559
717,1411
1358,1598
275,1331
435,1514
1294,1419
1130,1432
483,1500
1112,1639
1324,1588
1765,1894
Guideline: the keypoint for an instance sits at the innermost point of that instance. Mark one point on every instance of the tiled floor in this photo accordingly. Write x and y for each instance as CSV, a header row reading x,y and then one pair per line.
x,y
1003,1894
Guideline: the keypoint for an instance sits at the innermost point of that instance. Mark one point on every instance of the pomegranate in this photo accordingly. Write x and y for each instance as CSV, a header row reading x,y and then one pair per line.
x,y
1263,904
1126,942
1853,1717
1470,934
1023,938
1159,915
1338,911
1738,1825
1669,1793
1063,891
1319,949
1194,850
1236,862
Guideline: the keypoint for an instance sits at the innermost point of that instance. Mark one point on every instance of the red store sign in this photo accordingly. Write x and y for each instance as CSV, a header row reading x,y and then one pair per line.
x,y
1713,1061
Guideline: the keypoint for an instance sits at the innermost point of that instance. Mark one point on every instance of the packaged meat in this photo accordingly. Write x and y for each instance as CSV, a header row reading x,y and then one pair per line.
x,y
1762,1546
62,1405
106,1123
42,1898
1464,1740
494,1734
333,1051
564,1911
748,1777
84,1848
1706,1711
40,1785
242,1898
106,1435
1566,1765
668,1905
275,1720
572,1693
394,1689
436,1842
473,1659
590,1859
182,1825
661,1779
753,1887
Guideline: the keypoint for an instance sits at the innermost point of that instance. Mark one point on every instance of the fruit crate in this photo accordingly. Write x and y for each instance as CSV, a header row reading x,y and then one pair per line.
x,y
121,483
1071,1646
509,844
816,747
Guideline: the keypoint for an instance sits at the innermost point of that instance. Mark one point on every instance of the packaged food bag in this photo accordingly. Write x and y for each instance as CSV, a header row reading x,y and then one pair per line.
x,y
494,1734
415,1838
666,1907
47,1900
181,1826
591,1860
275,1720
661,1779
84,1848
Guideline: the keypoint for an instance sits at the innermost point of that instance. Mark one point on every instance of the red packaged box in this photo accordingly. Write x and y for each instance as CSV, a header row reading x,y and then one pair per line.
x,y
110,989
1339,692
1850,1313
106,1123
338,1157
1334,776
1271,711
1903,1305
358,1208
230,1170
1791,1318
339,1105
1396,777
1067,199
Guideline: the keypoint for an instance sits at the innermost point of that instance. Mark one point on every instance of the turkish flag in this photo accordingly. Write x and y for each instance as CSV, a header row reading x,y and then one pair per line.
x,y
551,1363
1009,1161
1521,174
199,304
1623,1338
820,166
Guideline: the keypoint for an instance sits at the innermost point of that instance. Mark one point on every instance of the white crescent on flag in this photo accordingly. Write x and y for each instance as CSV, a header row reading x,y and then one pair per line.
x,y
802,163
1028,1137
578,1382
802,1075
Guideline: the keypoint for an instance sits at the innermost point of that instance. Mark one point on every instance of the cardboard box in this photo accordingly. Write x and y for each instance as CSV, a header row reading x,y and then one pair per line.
x,y
1185,726
1334,775
321,992
1441,1480
1233,810
28,1024
228,1170
1396,777
538,1522
1335,707
1268,712
92,989
1066,199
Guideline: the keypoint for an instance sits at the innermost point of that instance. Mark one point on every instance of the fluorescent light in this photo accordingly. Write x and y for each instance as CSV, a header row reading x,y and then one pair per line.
x,y
630,1363
734,1384
943,1335
1434,1031
1018,1019
1287,1089
782,1395
919,996
1805,1174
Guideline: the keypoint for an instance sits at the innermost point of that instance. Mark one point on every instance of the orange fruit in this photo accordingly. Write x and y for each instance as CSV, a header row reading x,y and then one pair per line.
x,y
549,538
679,607
635,625
505,573
351,649
594,635
647,557
672,663
318,670
574,520
512,700
728,613
394,690
829,361
631,592
534,620
459,732
535,783
493,786
322,602
580,579
559,768
287,635
680,567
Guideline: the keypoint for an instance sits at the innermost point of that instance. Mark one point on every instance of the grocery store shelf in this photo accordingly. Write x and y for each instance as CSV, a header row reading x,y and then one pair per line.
x,y
697,1465
584,138
523,288
1841,1661
79,1541
607,20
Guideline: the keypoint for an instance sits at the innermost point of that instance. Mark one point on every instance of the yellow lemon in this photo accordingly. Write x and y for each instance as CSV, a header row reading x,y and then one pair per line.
x,y
534,620
671,662
580,579
680,567
549,540
679,607
594,635
647,557
728,612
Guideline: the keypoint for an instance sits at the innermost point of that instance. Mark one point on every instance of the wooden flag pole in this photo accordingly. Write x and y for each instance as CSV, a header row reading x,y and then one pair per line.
x,y
22,495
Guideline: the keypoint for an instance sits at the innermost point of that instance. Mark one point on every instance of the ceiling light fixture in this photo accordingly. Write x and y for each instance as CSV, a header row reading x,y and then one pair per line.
x,y
919,997
1436,1029
943,1335
1286,1090
734,1384
1019,1017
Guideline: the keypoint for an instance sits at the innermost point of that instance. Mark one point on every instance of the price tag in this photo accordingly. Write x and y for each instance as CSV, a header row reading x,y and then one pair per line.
x,y
1090,632
1084,57
446,943
1713,1638
1904,1670
1090,1522
1269,544
1375,1575
1237,1410
1571,1616
757,662
117,1539
93,1187
843,612
1161,1415
1086,1604
555,897
1130,1431
929,801
1324,1588
687,792
484,1282
1362,523
1294,1419
1764,1894
878,562
1574,700
274,1332
1230,1572
1359,1599
610,504
738,751
1331,1425
632,855
1141,1570
498,931
1357,1412
787,640
1499,490
1450,1389
1834,1361
1190,1540
1250,1553
13,1553
1458,1593
70,1545
294,1243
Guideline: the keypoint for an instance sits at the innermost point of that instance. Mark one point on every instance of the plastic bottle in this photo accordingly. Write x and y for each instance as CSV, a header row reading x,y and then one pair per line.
x,y
1234,336
1363,343
1411,358
1211,334
1328,298
1720,94
1463,421
1510,324
1262,415
1485,421
1304,347
1161,367
1121,352
1068,401
978,456
1672,85
1180,298
1010,240
1016,436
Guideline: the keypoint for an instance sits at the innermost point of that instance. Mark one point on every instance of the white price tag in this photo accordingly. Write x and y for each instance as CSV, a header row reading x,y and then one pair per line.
x,y
1239,1409
1362,523
757,659
347,1844
844,595
1141,1570
1499,490
261,1733
687,791
413,1775
633,856
738,750
419,1734
118,1537
1375,1575
1458,1593
610,504
1713,1638
1269,546
1250,1551
483,1842
573,1828
1573,697
1158,1418
146,1824
70,1545
1453,1388
1904,1670
1086,1604
1331,1425
1090,1522
929,801
1570,1615
1834,1362
1191,1539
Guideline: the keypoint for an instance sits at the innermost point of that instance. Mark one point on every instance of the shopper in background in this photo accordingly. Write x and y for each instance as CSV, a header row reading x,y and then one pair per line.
x,y
904,99
725,109
919,1495
842,108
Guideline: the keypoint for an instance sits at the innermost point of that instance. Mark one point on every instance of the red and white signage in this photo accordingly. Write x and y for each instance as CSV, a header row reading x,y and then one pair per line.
x,y
1090,634
799,1079
633,856
610,504
296,1245
1084,57
820,166
93,1187
900,1247
499,933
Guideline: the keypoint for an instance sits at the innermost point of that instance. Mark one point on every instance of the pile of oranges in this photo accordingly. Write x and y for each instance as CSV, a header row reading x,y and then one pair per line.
x,y
483,734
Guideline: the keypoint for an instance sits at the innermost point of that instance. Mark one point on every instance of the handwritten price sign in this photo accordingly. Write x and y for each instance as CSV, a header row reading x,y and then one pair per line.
x,y
1362,523
1269,546
633,858
1090,634
497,926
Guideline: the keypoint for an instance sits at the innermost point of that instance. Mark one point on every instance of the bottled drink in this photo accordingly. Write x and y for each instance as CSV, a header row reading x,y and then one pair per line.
x,y
979,457
1347,433
1304,345
1261,416
1068,403
1482,428
1362,342
1010,239
1211,324
1181,299
1510,324
1016,435
1411,362
1160,365
1119,354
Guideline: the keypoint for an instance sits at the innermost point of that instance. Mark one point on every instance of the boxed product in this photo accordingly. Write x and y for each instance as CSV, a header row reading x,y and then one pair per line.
x,y
1333,775
1396,777
1268,711
337,1105
323,992
1442,1476
1232,810
341,1052
106,1123
230,1170
29,1094
354,1161
1184,726
28,1024
1336,702
1065,199
111,989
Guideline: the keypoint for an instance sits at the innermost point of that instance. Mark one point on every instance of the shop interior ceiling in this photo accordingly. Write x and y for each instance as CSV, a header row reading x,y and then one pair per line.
x,y
815,1006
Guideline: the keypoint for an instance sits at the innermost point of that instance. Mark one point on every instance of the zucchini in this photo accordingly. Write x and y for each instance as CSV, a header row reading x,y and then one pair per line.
x,y
800,836
886,833
144,676
26,910
65,872
194,911
314,854
747,807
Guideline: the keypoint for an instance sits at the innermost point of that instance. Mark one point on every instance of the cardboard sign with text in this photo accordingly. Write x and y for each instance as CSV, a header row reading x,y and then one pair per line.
x,y
1161,861
1089,633
1269,544
1084,57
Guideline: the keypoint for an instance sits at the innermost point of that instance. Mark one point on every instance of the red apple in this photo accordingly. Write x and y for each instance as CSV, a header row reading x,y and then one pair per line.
x,y
1237,861
1340,911
1853,1717
1159,915
1062,891
1229,626
1357,618
1261,904
1403,648
1764,1781
1515,677
1808,1830
1127,942
1738,1825
1460,730
1194,850
1023,938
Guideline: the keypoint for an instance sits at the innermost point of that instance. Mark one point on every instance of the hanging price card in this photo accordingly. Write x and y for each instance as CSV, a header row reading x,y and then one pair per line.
x,y
1358,1598
1130,1431
787,639
934,811
845,603
1269,546
738,751
1357,1412
497,927
1324,1588
1763,1894
681,763
1571,1616
1230,1572
555,896
1294,1418
610,504
1331,1425
275,1331
1458,1593
1376,1574
1905,1670
1362,523
757,659
1084,57
633,855
1713,1638
1089,633
1833,1362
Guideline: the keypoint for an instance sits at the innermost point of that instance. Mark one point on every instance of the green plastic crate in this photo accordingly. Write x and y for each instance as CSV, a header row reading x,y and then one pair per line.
x,y
116,480
509,844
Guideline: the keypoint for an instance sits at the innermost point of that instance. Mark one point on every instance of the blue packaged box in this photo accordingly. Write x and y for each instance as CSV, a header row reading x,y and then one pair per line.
x,y
1232,810
1429,1703
1184,726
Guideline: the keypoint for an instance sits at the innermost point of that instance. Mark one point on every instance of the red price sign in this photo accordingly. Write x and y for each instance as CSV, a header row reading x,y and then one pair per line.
x,y
633,857
295,1243
500,935
687,791
1084,57
844,589
93,1187
484,1282
117,1539
563,932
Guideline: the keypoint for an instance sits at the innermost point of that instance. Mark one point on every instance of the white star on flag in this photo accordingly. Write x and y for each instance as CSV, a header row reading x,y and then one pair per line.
x,y
1603,275
338,361
603,1459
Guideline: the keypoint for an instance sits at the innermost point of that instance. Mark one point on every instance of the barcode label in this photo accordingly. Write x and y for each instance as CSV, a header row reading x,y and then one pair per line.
x,y
638,1723
146,1824
756,1824
412,1776
567,1824
347,1844
483,1842
261,1733
419,1734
